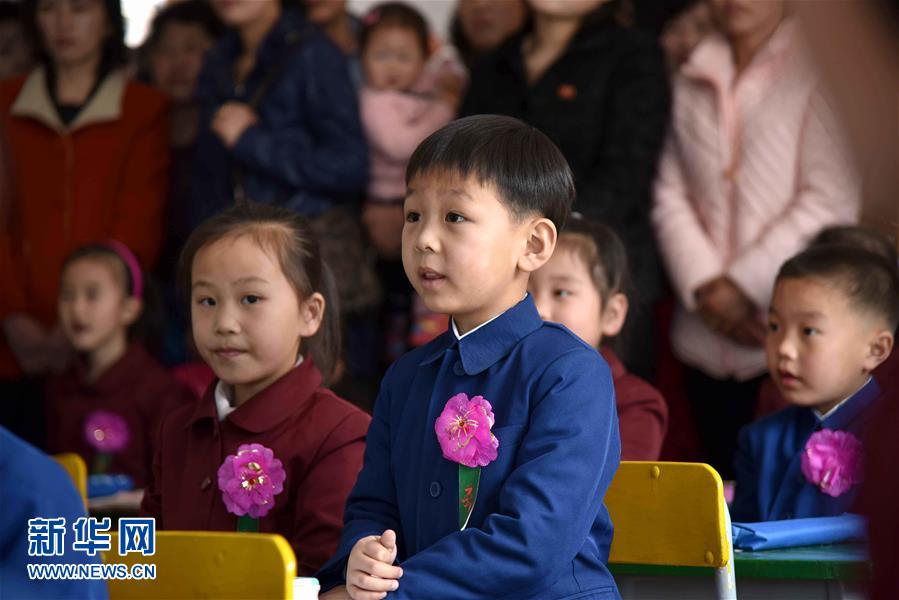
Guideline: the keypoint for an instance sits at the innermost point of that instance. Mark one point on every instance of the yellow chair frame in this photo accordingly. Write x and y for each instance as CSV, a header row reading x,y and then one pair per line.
x,y
203,564
668,513
74,465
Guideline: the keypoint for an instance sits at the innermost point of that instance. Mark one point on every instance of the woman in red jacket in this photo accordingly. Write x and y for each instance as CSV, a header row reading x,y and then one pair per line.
x,y
88,160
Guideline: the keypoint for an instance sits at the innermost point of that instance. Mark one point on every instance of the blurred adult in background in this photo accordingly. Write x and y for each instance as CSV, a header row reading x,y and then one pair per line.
x,y
599,91
279,121
180,35
341,27
683,32
481,26
752,169
16,53
88,155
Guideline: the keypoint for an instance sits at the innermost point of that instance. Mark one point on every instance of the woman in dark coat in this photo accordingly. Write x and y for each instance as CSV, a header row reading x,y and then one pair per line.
x,y
600,92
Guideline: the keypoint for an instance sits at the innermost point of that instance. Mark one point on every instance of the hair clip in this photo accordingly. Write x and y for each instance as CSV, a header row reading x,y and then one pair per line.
x,y
372,17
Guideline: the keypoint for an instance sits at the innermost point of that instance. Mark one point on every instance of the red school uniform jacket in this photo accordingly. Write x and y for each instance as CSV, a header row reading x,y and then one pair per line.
x,y
318,437
136,387
642,412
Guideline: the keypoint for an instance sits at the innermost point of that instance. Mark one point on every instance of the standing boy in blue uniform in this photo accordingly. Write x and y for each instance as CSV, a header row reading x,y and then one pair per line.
x,y
487,196
831,323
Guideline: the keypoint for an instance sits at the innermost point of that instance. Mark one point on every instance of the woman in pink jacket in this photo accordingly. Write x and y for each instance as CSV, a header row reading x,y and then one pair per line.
x,y
753,167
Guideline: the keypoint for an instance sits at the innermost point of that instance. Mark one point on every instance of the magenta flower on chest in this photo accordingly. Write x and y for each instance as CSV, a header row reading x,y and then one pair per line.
x,y
106,431
832,461
250,480
463,430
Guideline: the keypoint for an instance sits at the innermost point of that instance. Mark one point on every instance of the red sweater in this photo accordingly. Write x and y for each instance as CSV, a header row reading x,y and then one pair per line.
x,y
318,437
642,412
104,176
136,387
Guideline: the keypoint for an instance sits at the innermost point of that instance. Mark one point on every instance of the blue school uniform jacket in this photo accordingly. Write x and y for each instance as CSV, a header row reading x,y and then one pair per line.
x,y
539,528
34,486
770,483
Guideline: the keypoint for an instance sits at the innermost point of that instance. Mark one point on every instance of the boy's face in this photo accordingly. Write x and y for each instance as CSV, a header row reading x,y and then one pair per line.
x,y
819,346
462,248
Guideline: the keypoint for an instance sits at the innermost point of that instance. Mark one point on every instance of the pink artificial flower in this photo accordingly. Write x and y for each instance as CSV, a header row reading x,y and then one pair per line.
x,y
832,460
250,480
463,430
106,431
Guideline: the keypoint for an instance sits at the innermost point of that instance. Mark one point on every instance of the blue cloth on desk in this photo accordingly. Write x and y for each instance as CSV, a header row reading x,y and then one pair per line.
x,y
768,535
539,528
107,485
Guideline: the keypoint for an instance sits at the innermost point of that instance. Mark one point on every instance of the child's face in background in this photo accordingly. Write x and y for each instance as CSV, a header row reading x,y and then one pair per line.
x,y
176,59
392,59
94,310
818,344
247,321
461,248
564,293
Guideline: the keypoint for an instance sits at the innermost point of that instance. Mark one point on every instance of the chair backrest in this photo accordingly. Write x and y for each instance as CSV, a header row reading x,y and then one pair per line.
x,y
204,564
77,470
668,513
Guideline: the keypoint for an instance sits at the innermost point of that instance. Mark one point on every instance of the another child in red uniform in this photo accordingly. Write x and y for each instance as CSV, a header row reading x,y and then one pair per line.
x,y
584,287
261,317
100,300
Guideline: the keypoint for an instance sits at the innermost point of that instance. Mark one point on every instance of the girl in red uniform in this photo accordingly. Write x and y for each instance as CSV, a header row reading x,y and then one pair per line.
x,y
267,448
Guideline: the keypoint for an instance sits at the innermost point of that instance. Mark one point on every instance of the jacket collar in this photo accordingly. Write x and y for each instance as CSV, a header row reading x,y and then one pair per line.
x,y
271,406
845,416
712,59
105,105
485,347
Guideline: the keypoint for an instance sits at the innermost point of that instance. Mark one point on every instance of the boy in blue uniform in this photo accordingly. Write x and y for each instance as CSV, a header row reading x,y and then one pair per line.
x,y
487,196
831,323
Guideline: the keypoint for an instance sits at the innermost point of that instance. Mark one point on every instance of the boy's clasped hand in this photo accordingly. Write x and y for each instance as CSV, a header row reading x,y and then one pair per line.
x,y
370,569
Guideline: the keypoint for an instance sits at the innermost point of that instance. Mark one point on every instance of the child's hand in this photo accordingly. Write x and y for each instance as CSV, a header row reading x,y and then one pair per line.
x,y
231,120
449,88
370,572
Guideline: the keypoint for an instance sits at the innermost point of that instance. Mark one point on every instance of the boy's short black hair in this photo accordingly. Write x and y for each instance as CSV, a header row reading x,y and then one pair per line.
x,y
869,281
188,12
858,236
528,170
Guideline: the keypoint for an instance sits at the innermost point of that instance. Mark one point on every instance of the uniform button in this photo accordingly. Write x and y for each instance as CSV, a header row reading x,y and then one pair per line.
x,y
458,369
435,489
206,483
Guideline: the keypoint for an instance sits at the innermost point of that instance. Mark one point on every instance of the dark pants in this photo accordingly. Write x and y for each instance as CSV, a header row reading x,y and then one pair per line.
x,y
721,408
22,409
